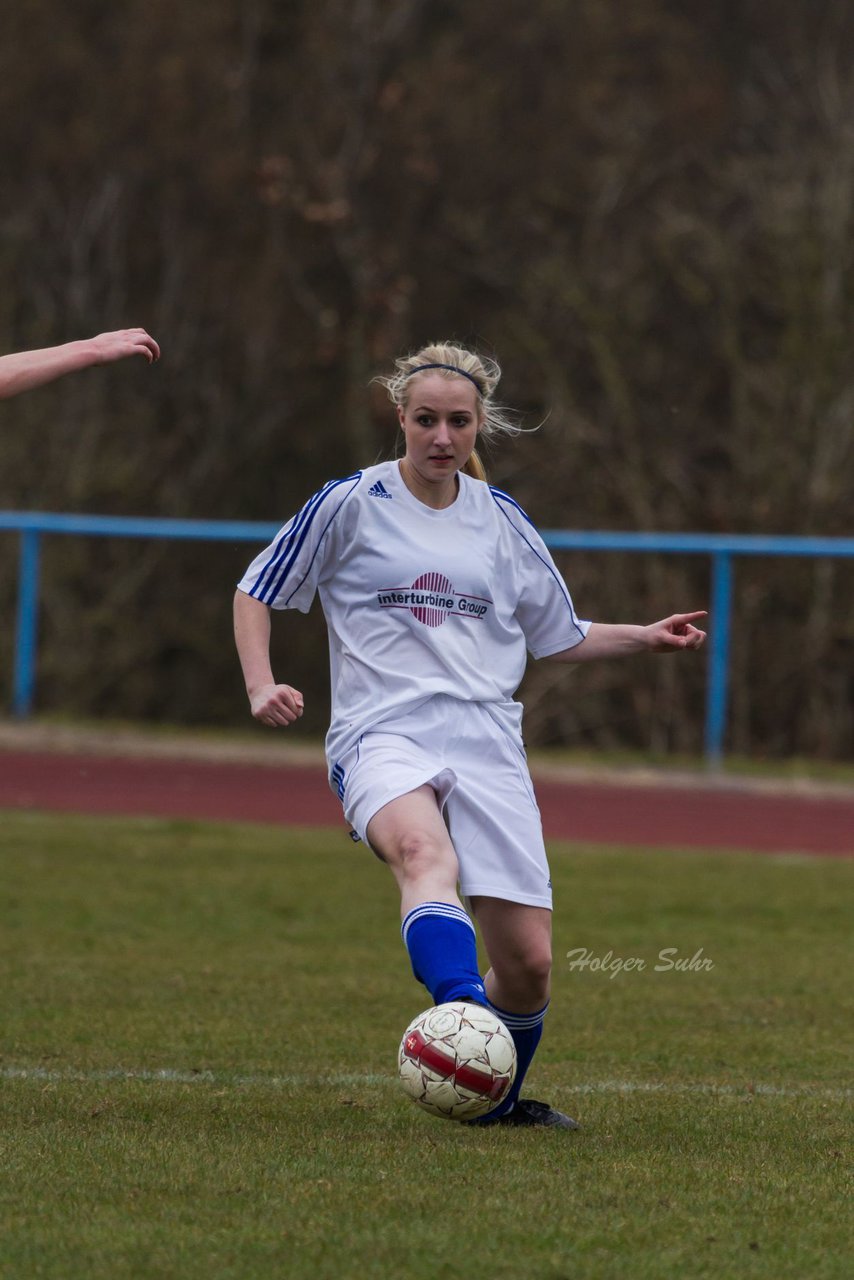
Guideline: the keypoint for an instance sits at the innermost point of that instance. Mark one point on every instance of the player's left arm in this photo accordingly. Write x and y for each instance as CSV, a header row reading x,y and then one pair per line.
x,y
616,640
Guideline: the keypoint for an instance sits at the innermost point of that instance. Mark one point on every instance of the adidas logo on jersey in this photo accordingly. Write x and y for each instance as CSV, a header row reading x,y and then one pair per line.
x,y
379,490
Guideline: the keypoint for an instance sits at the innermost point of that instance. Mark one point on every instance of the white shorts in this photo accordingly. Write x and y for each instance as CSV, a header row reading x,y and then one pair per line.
x,y
484,790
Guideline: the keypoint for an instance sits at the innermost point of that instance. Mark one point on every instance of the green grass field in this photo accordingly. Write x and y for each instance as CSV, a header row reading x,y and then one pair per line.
x,y
199,1025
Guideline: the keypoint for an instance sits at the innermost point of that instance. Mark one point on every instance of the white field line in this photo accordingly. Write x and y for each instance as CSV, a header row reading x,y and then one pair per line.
x,y
169,1075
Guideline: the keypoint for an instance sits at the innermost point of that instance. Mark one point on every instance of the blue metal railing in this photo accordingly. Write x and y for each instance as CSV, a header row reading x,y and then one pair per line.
x,y
721,548
33,525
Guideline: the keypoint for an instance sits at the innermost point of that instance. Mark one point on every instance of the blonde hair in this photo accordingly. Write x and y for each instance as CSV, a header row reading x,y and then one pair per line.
x,y
456,361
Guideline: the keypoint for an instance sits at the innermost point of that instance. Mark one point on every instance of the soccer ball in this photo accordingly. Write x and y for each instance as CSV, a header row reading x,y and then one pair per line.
x,y
457,1061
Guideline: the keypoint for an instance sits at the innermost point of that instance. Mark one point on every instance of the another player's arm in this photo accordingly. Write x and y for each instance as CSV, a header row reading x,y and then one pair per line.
x,y
25,370
271,703
615,640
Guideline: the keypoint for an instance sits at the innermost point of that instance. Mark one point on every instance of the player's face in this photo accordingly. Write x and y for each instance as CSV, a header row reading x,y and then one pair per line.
x,y
440,425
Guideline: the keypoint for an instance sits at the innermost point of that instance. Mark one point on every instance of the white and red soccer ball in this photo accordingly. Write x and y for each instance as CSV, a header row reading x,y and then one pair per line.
x,y
457,1061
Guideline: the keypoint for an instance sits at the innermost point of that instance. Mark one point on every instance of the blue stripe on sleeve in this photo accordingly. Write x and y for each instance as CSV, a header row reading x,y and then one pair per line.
x,y
285,550
503,500
290,531
296,540
499,493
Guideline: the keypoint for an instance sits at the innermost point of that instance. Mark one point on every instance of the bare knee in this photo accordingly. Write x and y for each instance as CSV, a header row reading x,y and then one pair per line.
x,y
538,965
415,854
419,851
520,978
410,836
528,968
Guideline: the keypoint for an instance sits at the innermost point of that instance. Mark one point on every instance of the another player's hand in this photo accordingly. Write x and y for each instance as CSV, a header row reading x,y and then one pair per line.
x,y
676,632
276,705
108,347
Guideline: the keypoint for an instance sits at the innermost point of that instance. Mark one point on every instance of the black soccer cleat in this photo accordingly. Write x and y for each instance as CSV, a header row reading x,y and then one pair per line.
x,y
539,1114
530,1114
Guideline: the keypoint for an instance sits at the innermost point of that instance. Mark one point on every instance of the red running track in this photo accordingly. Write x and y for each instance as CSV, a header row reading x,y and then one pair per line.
x,y
659,815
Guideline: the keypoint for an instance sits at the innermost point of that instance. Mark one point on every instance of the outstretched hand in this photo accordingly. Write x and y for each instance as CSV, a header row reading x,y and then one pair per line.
x,y
676,632
276,705
109,347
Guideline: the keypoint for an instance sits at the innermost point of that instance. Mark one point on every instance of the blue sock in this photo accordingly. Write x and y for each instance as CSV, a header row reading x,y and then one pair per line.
x,y
442,946
527,1031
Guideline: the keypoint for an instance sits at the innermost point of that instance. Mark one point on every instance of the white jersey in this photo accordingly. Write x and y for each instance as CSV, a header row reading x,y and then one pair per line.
x,y
418,602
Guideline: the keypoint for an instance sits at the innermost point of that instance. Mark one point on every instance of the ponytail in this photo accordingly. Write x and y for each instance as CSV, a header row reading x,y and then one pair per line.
x,y
474,466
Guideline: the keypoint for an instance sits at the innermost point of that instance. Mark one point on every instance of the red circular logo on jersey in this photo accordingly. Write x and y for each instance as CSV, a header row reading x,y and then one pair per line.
x,y
434,585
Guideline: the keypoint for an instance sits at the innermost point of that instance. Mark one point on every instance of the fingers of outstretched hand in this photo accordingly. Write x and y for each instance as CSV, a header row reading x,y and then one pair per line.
x,y
146,345
678,632
126,342
694,637
681,620
277,705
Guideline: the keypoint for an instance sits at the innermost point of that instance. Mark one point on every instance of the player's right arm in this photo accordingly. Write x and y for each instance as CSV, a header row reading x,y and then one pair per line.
x,y
271,703
25,370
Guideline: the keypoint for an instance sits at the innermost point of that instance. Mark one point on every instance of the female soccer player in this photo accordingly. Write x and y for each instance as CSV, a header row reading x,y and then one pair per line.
x,y
25,370
435,586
